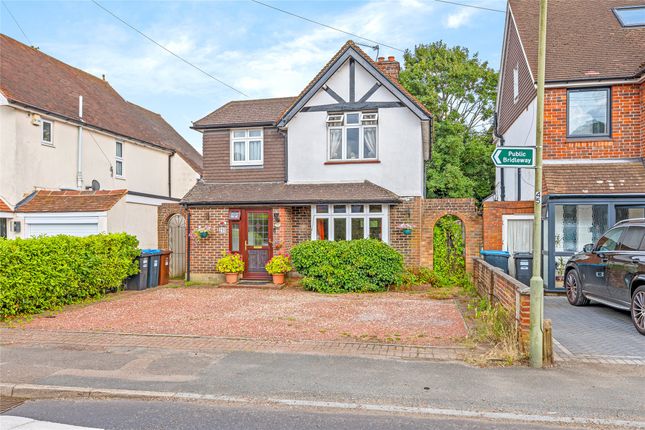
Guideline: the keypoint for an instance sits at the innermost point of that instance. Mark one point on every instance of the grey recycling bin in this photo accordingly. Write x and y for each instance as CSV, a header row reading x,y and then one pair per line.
x,y
496,258
153,267
140,280
523,267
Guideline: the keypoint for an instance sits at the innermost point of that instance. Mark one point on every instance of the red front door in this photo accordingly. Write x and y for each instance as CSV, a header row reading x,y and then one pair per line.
x,y
256,235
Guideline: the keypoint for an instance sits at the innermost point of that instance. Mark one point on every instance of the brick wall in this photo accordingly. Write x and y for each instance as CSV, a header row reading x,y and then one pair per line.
x,y
409,212
642,119
301,224
164,212
626,124
493,212
204,252
498,287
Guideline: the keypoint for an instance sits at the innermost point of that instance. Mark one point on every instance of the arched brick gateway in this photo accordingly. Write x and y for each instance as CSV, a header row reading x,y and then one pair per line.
x,y
418,248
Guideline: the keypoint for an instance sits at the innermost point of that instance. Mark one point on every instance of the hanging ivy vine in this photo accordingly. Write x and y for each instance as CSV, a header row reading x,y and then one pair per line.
x,y
448,239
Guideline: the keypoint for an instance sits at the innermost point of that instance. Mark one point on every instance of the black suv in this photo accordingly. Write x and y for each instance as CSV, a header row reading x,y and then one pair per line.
x,y
612,271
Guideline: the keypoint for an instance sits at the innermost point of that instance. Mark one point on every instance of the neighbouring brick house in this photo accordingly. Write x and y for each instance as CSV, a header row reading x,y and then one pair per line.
x,y
343,160
594,126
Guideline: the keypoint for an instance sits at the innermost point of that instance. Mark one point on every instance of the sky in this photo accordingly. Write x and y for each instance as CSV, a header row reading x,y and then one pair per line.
x,y
254,49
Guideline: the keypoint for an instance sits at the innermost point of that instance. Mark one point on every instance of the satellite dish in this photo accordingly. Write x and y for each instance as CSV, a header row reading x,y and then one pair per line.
x,y
95,185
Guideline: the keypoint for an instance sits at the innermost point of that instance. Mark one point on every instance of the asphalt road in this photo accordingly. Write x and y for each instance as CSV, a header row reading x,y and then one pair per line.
x,y
154,415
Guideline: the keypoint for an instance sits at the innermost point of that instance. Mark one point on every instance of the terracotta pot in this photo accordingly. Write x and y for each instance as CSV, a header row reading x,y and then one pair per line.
x,y
278,278
231,278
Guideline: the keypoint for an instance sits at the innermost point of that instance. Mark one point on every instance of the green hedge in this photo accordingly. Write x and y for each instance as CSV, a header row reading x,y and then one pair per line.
x,y
347,266
47,272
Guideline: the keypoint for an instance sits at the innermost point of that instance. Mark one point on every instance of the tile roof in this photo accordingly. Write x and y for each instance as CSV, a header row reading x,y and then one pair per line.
x,y
260,111
31,78
70,201
4,207
287,194
590,179
350,44
584,39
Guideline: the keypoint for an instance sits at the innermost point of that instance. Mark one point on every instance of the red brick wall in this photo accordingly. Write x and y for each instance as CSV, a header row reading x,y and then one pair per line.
x,y
626,124
493,212
643,120
409,246
204,252
498,287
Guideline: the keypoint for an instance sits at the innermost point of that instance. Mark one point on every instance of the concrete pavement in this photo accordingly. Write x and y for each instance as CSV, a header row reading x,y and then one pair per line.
x,y
590,394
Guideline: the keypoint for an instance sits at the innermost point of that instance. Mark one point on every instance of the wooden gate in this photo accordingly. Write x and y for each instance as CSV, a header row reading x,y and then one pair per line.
x,y
177,244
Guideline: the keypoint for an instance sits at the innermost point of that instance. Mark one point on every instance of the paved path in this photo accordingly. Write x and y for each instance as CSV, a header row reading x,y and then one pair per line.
x,y
207,343
594,333
335,382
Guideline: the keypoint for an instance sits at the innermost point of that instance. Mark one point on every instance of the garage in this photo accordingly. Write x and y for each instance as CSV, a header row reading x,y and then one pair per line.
x,y
72,226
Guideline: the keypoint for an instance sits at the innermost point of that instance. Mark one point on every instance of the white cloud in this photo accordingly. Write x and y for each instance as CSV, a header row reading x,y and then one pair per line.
x,y
459,18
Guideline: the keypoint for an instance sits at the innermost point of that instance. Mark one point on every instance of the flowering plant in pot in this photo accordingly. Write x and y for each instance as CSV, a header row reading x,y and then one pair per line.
x,y
231,265
407,228
278,266
201,233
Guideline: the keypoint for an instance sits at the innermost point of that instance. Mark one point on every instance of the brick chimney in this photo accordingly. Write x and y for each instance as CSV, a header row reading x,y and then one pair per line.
x,y
390,67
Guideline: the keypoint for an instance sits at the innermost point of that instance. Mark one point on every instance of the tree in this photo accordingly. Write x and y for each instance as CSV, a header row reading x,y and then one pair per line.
x,y
459,89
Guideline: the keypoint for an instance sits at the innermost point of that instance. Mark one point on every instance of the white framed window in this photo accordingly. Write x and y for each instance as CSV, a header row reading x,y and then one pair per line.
x,y
350,221
119,170
516,83
47,132
247,147
352,136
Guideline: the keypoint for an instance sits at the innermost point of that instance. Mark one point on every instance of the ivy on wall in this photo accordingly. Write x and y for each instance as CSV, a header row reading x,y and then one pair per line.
x,y
449,247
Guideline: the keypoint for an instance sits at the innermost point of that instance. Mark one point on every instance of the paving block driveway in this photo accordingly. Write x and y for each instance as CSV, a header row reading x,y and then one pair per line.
x,y
594,333
290,314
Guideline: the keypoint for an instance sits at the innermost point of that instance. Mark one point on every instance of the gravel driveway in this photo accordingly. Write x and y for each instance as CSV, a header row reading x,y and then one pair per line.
x,y
288,314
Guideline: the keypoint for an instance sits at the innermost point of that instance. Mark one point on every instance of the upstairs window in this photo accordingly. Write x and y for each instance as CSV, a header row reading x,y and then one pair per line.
x,y
47,132
247,147
516,83
588,112
630,16
119,172
352,136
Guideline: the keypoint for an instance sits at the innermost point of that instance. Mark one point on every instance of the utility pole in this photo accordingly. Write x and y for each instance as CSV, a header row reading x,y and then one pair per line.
x,y
537,283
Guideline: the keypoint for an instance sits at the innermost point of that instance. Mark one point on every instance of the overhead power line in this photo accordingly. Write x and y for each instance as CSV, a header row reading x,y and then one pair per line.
x,y
17,24
168,50
327,26
490,9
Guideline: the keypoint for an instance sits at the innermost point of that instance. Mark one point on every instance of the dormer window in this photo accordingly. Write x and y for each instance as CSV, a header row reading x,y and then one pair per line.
x,y
352,136
247,147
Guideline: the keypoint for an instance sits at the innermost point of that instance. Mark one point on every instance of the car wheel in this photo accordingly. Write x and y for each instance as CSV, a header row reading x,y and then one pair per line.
x,y
574,289
638,309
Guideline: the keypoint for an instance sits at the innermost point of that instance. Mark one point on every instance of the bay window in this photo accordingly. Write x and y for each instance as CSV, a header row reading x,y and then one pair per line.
x,y
352,136
349,222
247,147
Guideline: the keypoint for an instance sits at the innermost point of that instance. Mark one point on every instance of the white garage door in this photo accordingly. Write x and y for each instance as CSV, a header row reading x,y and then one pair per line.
x,y
69,229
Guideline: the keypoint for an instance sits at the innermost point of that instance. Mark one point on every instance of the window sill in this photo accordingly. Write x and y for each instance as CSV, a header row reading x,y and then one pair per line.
x,y
352,162
51,145
120,177
246,166
590,139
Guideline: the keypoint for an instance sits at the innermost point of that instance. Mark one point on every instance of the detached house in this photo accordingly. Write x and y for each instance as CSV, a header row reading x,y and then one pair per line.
x,y
594,126
76,158
343,160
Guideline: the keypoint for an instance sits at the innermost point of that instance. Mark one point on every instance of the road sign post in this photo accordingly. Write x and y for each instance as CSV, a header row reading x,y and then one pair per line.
x,y
513,156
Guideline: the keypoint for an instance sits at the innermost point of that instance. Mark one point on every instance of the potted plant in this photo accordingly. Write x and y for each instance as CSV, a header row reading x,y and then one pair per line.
x,y
231,265
406,228
201,232
278,266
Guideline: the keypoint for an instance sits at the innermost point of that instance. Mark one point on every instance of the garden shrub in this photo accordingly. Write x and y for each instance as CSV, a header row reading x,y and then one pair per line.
x,y
365,265
44,273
